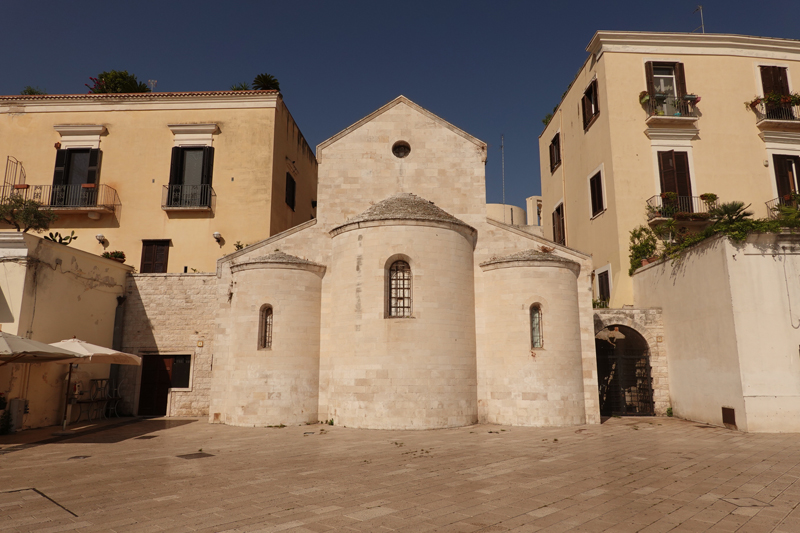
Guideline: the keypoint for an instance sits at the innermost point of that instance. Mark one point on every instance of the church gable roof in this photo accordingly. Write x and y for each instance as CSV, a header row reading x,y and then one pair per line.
x,y
399,100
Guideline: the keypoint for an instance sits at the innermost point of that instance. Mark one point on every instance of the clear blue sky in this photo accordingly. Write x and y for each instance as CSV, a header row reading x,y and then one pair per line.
x,y
489,67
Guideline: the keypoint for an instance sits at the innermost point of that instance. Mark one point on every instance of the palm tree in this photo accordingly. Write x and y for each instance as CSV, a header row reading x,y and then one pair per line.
x,y
730,212
240,87
266,82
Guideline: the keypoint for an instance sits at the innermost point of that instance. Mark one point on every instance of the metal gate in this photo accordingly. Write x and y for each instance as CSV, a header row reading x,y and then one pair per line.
x,y
624,381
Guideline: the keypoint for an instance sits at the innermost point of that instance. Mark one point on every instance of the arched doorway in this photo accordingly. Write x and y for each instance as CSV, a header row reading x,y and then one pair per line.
x,y
623,372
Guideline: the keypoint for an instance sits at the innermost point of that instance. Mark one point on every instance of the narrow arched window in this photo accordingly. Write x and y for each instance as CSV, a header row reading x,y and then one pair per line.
x,y
399,290
265,327
536,326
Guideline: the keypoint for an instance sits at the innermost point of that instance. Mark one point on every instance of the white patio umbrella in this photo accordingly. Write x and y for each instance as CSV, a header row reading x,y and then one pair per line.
x,y
88,353
15,349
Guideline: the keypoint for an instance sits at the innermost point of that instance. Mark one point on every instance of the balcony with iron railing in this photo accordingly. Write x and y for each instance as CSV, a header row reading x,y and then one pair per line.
x,y
688,210
775,206
68,199
776,116
188,198
665,110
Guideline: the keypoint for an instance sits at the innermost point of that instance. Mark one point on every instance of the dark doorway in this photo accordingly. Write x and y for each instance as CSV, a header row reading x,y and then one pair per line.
x,y
623,373
160,373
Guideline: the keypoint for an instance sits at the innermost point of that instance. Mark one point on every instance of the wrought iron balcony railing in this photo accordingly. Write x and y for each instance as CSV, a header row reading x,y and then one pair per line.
x,y
774,206
784,112
188,198
679,208
88,197
670,107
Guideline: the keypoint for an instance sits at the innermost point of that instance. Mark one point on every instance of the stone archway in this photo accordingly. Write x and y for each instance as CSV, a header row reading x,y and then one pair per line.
x,y
648,324
625,384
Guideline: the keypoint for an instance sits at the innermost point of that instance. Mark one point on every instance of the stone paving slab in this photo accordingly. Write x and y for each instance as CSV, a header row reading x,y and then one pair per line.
x,y
643,474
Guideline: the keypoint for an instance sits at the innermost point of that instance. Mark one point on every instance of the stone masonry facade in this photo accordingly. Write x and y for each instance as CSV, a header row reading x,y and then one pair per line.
x,y
171,314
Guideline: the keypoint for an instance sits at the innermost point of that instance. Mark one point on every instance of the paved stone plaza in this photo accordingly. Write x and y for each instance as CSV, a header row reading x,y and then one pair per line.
x,y
643,474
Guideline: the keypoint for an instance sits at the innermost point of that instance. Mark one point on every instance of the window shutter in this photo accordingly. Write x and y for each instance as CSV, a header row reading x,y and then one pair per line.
x,y
555,226
666,168
596,189
682,176
680,80
768,80
94,165
603,289
175,166
648,72
148,251
161,254
291,186
586,106
782,176
60,174
595,99
208,165
782,80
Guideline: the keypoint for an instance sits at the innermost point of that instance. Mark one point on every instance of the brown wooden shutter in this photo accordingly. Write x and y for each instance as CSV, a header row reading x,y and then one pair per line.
x,y
666,170
148,253
680,80
60,174
175,177
596,190
648,72
773,80
682,176
595,99
782,80
208,165
161,256
783,176
154,257
603,289
94,165
586,105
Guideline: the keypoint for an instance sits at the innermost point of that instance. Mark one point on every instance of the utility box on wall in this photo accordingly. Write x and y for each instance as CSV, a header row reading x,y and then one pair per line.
x,y
16,407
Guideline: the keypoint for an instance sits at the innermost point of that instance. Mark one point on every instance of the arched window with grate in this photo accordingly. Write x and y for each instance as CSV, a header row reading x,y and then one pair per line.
x,y
265,327
399,290
536,326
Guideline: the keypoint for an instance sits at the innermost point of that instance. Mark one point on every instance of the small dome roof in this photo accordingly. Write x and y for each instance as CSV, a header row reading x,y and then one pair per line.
x,y
280,257
529,255
405,206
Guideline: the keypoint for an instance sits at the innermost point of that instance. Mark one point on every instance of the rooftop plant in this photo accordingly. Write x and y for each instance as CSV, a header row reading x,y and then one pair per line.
x,y
25,214
117,81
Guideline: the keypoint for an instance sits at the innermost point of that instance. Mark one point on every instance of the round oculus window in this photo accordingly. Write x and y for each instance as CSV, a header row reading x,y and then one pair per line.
x,y
401,149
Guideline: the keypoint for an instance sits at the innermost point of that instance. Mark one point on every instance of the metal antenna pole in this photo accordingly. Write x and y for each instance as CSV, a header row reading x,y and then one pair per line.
x,y
702,23
152,84
503,169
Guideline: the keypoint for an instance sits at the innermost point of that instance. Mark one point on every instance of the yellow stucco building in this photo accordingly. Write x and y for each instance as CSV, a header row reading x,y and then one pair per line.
x,y
173,180
651,113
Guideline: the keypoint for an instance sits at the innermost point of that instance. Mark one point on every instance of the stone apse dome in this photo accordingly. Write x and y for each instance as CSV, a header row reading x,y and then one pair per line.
x,y
402,306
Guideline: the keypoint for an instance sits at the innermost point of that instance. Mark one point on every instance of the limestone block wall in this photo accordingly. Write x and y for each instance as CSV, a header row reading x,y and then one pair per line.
x,y
400,373
279,384
524,386
171,314
649,324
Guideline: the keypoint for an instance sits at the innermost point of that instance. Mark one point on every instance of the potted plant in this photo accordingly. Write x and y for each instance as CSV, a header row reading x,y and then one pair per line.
x,y
700,216
21,185
682,215
644,97
669,196
116,255
691,97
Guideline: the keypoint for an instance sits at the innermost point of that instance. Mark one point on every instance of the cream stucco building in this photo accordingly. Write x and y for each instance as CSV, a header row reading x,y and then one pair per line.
x,y
402,305
609,149
173,180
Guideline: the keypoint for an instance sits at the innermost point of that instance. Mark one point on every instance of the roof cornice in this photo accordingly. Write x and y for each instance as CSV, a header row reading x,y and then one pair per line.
x,y
694,44
138,101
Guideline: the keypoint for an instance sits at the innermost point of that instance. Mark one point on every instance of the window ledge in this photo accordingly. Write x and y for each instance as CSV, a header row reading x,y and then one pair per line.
x,y
591,121
553,169
599,214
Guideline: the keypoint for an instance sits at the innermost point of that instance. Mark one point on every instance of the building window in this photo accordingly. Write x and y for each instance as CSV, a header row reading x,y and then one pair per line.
x,y
559,233
589,105
190,176
76,166
669,80
401,149
154,257
536,326
399,290
774,80
291,188
555,152
673,169
181,371
265,328
603,287
596,191
786,177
